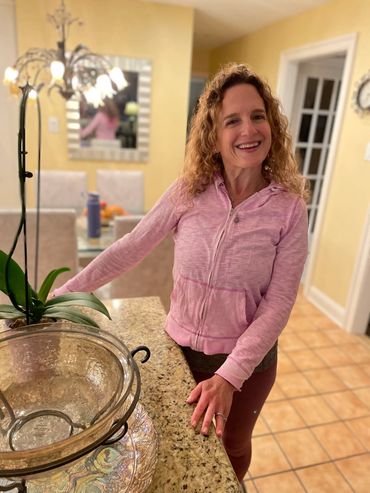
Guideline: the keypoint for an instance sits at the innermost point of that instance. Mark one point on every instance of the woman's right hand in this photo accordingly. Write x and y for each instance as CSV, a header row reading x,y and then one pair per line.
x,y
213,397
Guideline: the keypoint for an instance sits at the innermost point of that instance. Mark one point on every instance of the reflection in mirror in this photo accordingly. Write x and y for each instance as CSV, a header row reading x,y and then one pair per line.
x,y
118,130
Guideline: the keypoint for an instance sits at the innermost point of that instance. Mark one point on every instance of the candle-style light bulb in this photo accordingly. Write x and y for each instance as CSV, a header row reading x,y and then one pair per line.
x,y
57,70
10,75
104,86
118,78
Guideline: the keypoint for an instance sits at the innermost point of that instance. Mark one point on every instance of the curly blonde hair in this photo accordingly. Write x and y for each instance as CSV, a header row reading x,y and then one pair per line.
x,y
201,160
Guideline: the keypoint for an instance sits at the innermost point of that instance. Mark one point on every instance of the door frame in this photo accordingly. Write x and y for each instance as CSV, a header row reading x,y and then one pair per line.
x,y
287,77
358,300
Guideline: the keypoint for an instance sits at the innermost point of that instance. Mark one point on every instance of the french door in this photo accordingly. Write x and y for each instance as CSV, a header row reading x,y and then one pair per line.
x,y
314,111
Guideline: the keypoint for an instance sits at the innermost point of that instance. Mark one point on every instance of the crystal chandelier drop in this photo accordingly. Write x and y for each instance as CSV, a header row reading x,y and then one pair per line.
x,y
79,73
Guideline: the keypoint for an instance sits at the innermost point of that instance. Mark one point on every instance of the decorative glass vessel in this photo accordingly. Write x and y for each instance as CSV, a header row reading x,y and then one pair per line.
x,y
65,389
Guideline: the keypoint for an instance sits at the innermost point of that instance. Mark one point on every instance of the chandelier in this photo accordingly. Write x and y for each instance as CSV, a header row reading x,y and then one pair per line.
x,y
79,73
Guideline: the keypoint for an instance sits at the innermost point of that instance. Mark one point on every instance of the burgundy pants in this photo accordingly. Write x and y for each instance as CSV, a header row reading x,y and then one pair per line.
x,y
245,409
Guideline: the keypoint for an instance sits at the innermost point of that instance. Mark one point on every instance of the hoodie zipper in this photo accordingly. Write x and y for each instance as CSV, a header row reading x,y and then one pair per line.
x,y
210,275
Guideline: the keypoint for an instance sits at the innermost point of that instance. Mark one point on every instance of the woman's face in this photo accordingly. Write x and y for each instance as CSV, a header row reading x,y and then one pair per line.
x,y
243,131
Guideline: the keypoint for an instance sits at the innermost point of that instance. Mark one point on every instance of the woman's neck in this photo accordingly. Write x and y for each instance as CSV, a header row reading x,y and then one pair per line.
x,y
242,185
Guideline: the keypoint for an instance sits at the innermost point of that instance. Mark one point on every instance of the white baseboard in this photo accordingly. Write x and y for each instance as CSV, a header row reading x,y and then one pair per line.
x,y
325,304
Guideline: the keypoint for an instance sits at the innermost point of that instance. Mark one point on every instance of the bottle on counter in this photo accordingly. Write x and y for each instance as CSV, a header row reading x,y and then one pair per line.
x,y
93,215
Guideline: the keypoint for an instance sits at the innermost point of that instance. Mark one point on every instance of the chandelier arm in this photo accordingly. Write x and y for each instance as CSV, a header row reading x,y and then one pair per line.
x,y
80,62
36,54
32,58
95,59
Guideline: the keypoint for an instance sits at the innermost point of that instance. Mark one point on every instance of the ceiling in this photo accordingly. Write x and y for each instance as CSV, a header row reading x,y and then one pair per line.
x,y
218,22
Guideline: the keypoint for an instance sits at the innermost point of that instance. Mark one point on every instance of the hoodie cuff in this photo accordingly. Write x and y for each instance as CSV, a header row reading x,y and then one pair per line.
x,y
232,372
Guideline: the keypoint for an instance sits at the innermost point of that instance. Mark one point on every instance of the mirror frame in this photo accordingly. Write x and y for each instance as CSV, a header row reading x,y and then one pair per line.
x,y
141,152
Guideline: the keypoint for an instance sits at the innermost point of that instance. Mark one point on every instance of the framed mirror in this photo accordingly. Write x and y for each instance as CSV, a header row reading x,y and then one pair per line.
x,y
126,118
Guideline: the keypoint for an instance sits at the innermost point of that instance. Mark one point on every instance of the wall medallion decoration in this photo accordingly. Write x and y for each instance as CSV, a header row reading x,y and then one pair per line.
x,y
361,95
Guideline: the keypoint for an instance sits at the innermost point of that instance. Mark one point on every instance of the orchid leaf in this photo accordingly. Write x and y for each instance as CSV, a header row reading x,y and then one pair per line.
x,y
49,281
9,312
17,280
70,314
79,299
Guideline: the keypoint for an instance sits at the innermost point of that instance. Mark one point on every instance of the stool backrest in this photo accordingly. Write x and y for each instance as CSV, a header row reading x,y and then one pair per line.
x,y
153,276
57,243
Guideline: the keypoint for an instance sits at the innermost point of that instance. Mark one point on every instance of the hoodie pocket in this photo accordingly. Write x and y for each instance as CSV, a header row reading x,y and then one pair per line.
x,y
225,313
186,302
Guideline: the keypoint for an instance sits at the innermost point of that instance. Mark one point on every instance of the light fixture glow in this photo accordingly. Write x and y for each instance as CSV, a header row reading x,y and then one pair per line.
x,y
71,74
57,69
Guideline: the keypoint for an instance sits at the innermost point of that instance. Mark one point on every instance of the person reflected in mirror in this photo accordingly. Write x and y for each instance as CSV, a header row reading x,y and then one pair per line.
x,y
238,216
104,123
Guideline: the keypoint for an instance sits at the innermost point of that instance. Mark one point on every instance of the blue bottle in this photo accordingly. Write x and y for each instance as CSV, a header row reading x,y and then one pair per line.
x,y
93,215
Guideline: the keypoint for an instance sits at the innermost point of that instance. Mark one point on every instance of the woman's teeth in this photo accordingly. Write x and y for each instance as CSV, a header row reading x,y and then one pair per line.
x,y
248,146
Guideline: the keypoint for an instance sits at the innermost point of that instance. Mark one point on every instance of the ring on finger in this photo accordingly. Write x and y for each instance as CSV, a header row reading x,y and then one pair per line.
x,y
222,416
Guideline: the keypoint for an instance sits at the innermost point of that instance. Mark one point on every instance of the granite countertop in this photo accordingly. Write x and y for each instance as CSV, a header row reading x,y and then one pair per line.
x,y
187,461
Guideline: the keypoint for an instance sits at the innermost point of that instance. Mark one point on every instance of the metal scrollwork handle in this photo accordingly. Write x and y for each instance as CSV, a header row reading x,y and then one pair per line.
x,y
115,439
21,487
142,348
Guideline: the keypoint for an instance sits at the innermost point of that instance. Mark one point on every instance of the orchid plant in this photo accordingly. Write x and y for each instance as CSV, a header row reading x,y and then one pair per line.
x,y
36,306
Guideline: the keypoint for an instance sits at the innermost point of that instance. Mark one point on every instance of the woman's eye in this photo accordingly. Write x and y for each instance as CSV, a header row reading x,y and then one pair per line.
x,y
260,116
231,122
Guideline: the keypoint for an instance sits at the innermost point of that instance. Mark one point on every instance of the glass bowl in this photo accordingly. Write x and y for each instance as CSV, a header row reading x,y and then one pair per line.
x,y
64,389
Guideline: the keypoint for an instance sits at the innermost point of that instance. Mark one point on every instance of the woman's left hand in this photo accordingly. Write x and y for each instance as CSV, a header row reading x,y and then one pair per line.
x,y
214,397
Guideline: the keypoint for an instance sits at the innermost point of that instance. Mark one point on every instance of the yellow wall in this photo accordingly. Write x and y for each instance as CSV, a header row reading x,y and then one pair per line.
x,y
200,62
349,192
160,33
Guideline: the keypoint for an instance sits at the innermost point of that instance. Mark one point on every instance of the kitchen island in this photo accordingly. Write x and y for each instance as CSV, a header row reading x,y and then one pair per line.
x,y
187,461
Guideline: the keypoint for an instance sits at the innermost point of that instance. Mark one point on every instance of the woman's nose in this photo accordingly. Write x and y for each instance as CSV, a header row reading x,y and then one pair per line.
x,y
248,127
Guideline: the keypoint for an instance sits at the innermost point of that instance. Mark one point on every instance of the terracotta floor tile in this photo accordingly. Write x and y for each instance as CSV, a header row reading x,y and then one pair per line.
x,y
291,342
285,482
300,323
276,393
357,352
324,380
295,385
314,410
306,359
346,404
310,310
366,368
301,448
324,478
361,428
250,486
281,416
296,311
357,472
338,440
364,396
285,364
364,340
333,356
260,427
315,338
267,457
353,376
340,337
322,322
323,377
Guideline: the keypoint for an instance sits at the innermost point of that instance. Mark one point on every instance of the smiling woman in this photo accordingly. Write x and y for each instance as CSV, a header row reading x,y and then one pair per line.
x,y
240,228
119,130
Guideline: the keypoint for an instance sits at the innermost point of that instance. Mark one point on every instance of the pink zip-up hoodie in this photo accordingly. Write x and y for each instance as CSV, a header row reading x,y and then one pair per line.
x,y
236,270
